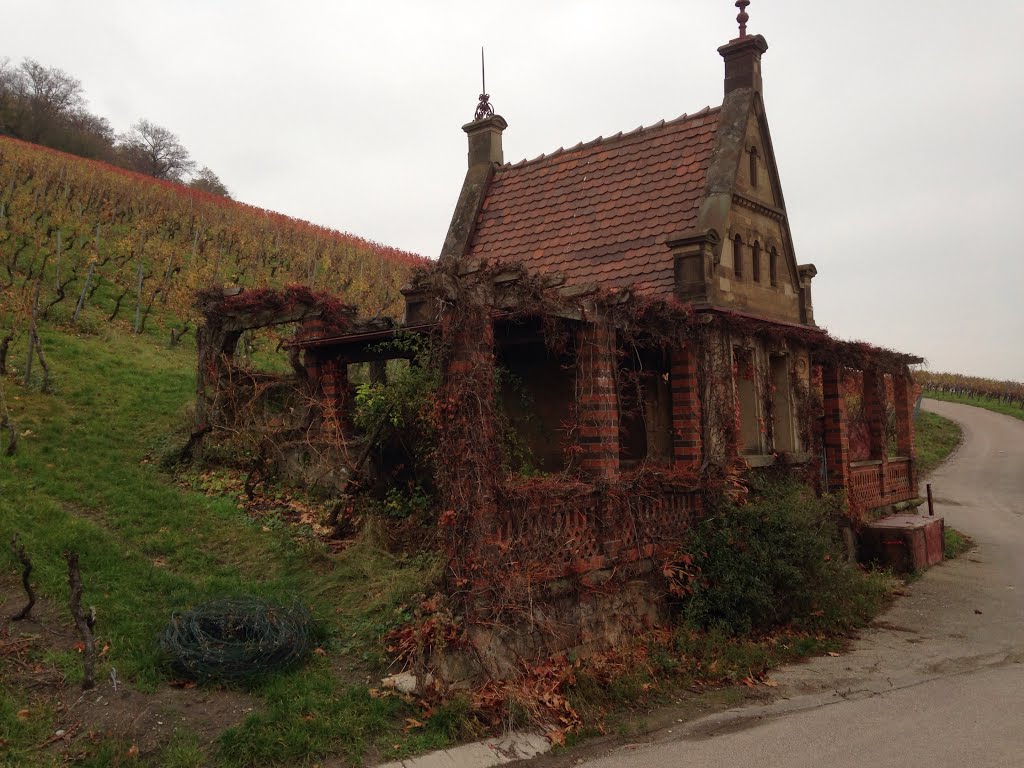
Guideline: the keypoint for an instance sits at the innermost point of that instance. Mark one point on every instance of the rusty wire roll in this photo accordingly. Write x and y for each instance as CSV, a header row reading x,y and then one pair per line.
x,y
236,639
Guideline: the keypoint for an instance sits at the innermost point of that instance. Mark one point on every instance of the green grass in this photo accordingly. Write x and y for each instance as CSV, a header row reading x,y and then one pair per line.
x,y
955,543
988,403
935,438
82,480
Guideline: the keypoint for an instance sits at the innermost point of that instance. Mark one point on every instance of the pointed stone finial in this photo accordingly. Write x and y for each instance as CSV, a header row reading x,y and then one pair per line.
x,y
742,17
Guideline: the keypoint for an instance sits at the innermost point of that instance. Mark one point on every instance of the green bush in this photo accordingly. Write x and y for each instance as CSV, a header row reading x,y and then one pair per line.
x,y
776,560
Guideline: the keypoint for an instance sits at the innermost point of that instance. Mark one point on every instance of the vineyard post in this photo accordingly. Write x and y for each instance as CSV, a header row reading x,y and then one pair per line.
x,y
33,330
165,287
138,286
57,276
88,277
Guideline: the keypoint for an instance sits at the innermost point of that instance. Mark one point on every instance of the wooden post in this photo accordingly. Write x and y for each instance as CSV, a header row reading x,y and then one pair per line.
x,y
88,277
138,287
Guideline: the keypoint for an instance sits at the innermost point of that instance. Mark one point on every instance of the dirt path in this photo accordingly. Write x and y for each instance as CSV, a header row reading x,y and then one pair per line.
x,y
937,682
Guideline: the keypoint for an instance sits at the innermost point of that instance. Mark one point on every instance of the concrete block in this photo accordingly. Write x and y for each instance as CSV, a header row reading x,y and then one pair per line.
x,y
904,542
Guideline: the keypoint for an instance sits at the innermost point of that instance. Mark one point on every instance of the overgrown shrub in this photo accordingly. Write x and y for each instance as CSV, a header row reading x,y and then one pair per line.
x,y
405,401
773,561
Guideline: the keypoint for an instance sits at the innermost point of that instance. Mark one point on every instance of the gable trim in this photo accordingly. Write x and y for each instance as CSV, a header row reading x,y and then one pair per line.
x,y
758,207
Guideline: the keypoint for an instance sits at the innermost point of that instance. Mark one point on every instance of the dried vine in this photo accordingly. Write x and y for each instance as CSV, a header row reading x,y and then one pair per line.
x,y
83,622
7,424
26,573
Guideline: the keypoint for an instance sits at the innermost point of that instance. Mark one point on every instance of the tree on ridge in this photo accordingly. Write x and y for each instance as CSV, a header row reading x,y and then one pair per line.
x,y
208,181
155,151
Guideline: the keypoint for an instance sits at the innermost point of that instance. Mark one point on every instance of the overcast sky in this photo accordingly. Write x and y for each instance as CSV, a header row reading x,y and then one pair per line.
x,y
897,125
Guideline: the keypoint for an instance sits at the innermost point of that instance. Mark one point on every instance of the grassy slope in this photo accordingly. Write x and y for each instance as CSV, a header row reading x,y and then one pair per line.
x,y
935,439
81,481
987,403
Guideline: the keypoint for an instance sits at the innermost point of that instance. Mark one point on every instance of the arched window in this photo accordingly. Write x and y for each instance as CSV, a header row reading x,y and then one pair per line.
x,y
755,254
753,166
737,256
773,266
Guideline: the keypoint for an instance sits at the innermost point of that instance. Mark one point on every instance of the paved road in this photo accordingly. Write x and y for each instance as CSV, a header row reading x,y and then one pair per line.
x,y
938,682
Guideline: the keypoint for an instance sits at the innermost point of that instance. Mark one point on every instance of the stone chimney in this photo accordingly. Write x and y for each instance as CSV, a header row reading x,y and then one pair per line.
x,y
485,140
806,273
484,156
743,62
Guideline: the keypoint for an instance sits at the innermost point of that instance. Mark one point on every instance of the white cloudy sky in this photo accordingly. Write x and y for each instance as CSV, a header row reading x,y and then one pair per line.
x,y
898,125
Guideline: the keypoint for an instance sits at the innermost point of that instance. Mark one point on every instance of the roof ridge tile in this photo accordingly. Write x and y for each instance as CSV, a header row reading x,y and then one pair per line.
x,y
620,135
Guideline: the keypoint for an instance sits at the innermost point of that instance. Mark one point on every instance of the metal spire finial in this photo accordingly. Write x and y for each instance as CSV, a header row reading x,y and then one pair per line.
x,y
483,108
742,18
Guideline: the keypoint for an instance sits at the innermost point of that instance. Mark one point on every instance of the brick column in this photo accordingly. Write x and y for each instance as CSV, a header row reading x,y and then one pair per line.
x,y
468,438
334,389
874,414
687,446
904,397
874,411
837,438
313,365
597,400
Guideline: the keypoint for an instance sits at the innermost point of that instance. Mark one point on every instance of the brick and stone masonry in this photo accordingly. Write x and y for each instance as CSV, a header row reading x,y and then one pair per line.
x,y
874,414
837,438
686,409
903,400
597,400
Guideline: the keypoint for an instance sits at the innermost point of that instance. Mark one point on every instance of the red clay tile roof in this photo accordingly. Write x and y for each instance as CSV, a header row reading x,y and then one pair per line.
x,y
601,212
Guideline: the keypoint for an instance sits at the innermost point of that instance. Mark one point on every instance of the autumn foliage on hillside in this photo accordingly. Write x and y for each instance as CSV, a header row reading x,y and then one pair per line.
x,y
1008,392
78,235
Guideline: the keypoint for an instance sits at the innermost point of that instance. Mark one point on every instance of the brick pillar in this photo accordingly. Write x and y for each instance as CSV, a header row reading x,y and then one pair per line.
x,y
313,365
904,397
468,452
468,439
837,438
874,415
874,411
334,390
687,447
597,400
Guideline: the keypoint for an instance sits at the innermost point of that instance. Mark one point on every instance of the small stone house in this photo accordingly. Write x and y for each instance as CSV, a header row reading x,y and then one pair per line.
x,y
643,292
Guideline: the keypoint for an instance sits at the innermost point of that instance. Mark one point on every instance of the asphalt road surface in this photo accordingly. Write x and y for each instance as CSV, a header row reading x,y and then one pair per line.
x,y
939,679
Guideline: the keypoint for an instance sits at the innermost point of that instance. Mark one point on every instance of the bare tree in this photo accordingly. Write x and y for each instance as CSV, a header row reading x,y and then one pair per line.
x,y
155,151
208,181
49,96
8,95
